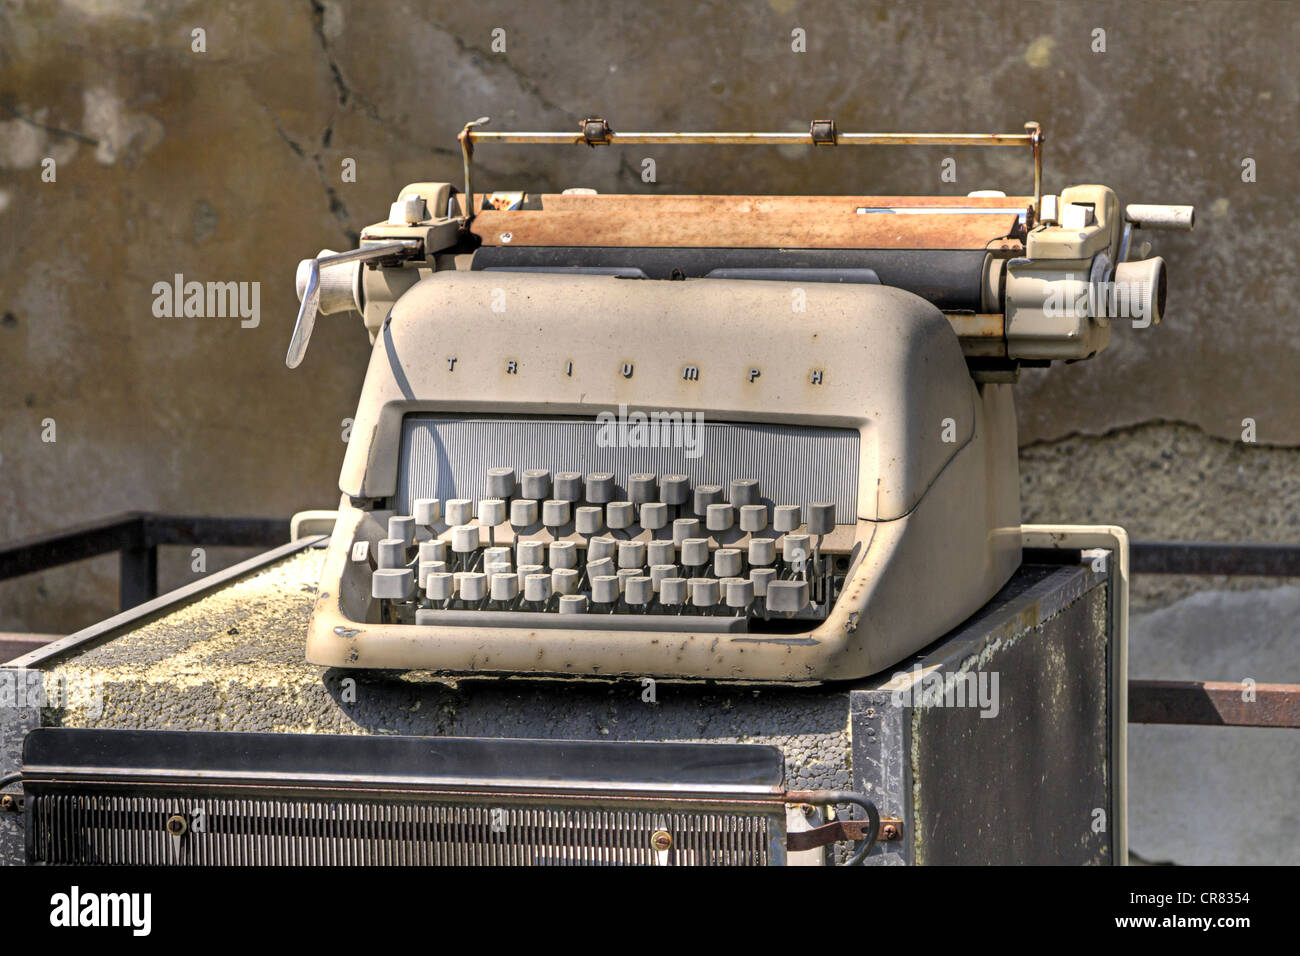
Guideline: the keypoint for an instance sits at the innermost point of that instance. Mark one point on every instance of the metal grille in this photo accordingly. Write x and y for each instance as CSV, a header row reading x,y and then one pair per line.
x,y
93,828
449,457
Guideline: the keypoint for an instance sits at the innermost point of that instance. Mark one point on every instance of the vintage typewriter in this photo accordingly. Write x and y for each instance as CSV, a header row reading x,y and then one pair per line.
x,y
767,438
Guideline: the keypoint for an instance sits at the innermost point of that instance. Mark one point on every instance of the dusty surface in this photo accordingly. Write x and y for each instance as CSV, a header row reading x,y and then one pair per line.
x,y
226,166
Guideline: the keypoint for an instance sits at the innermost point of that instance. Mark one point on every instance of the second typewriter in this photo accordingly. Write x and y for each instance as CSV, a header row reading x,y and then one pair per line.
x,y
766,438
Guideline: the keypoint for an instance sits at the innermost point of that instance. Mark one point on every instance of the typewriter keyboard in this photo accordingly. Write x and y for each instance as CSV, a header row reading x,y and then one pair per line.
x,y
567,549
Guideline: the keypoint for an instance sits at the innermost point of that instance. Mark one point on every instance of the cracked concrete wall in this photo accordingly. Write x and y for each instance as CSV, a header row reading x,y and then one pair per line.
x,y
224,165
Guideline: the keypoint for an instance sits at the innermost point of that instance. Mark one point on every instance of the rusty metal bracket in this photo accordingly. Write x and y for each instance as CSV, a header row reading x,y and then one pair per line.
x,y
823,133
867,832
1036,140
466,138
842,831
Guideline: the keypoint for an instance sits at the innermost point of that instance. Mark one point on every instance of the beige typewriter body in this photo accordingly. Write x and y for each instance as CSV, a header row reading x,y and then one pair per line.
x,y
749,474
875,364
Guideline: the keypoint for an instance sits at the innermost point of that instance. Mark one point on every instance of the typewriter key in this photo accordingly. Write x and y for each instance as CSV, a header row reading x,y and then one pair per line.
x,y
744,491
403,528
390,553
568,486
500,482
393,584
555,513
654,515
536,484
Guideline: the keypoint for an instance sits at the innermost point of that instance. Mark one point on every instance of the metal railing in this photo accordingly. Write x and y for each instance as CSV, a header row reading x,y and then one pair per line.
x,y
136,537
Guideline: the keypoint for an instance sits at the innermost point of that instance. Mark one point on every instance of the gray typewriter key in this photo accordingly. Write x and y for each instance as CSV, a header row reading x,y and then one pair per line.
x,y
573,604
641,488
500,482
684,528
393,584
601,567
491,512
660,552
787,597
537,587
705,592
726,562
753,518
638,591
464,538
496,559
428,511
562,554
744,491
505,587
390,553
625,575
535,484
619,515
471,586
568,486
427,568
740,593
631,554
601,547
674,489
719,517
555,513
695,552
795,552
439,586
672,591
604,589
403,528
761,577
821,517
589,520
459,511
523,512
706,495
600,487
654,515
530,552
785,518
659,572
564,581
435,550
526,571
762,552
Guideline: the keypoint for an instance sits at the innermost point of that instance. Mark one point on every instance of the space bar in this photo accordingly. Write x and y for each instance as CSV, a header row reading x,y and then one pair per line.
x,y
583,622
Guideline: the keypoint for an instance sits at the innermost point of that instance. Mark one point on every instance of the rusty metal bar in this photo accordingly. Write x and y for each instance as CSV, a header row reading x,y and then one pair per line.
x,y
759,139
1214,703
1203,557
